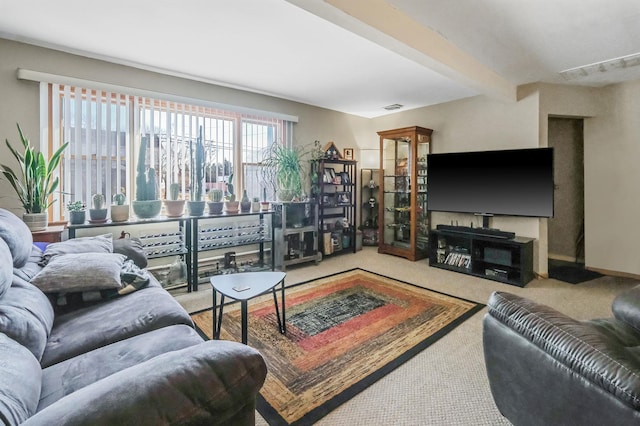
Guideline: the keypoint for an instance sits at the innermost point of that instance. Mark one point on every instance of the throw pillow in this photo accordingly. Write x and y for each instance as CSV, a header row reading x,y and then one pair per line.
x,y
77,272
132,248
5,272
17,235
132,278
98,244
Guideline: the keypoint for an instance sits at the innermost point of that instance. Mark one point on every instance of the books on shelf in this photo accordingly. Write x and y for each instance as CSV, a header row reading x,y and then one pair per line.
x,y
459,260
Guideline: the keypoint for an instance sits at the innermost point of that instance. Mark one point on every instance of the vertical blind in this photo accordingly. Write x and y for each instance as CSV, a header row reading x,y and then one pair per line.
x,y
105,130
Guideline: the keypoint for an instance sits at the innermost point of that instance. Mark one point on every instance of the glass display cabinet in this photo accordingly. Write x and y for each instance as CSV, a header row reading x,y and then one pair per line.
x,y
370,181
403,216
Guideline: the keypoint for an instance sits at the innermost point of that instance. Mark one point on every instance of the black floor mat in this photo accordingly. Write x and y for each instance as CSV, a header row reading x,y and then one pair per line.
x,y
570,272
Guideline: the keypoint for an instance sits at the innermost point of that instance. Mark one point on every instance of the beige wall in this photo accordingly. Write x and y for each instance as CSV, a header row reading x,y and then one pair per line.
x,y
612,147
612,181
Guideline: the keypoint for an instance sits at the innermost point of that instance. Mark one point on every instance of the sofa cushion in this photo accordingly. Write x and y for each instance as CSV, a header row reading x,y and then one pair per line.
x,y
97,244
20,381
6,277
68,376
626,307
132,248
213,383
80,272
110,321
32,267
26,315
17,235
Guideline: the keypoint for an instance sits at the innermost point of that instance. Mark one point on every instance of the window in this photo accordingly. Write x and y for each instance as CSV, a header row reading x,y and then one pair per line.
x,y
105,128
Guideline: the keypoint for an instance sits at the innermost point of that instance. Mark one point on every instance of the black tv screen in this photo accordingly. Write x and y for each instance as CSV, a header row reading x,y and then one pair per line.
x,y
515,182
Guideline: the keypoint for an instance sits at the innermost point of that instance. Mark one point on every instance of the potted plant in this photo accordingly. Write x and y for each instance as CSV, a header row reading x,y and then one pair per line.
x,y
197,204
264,204
282,167
255,204
146,205
119,210
174,206
77,212
34,182
230,203
98,213
215,201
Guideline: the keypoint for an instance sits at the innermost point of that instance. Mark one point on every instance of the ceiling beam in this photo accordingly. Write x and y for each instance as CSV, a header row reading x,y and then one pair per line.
x,y
383,24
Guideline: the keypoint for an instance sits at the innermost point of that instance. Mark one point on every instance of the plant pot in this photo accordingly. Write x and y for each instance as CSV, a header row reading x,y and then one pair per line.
x,y
196,208
215,207
286,194
255,206
120,213
78,217
264,206
98,215
231,207
36,221
147,209
174,208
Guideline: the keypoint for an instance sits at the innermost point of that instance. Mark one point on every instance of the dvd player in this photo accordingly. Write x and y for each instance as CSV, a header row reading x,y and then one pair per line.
x,y
489,232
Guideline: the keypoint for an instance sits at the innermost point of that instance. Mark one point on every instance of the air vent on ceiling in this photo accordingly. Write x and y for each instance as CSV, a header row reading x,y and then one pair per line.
x,y
601,67
393,106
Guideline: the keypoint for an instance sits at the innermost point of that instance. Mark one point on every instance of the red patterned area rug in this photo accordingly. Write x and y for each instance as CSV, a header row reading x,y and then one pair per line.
x,y
344,332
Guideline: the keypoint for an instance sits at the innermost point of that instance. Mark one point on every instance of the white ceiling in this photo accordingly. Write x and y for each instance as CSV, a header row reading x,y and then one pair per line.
x,y
346,55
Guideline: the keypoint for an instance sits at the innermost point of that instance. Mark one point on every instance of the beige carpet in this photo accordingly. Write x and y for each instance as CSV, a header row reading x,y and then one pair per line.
x,y
445,384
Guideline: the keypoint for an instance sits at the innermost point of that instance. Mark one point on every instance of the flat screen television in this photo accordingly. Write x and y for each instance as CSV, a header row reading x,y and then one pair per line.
x,y
516,182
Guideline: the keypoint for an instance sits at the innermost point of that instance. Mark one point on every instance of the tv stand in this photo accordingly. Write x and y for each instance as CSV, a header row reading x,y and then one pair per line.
x,y
498,258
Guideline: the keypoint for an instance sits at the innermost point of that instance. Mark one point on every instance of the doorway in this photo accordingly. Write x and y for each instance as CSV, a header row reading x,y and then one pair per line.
x,y
566,228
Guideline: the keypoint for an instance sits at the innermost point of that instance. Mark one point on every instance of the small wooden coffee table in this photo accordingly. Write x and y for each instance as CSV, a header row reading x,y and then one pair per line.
x,y
243,287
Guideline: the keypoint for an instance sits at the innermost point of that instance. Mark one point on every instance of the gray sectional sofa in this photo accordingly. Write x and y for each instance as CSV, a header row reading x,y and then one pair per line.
x,y
129,360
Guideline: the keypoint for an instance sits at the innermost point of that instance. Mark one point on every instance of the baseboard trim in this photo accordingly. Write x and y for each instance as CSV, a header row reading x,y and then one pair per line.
x,y
564,258
614,273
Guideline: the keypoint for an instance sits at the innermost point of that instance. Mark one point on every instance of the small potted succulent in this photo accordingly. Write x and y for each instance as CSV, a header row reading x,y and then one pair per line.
x,y
215,201
77,212
119,210
230,204
98,213
174,206
255,204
